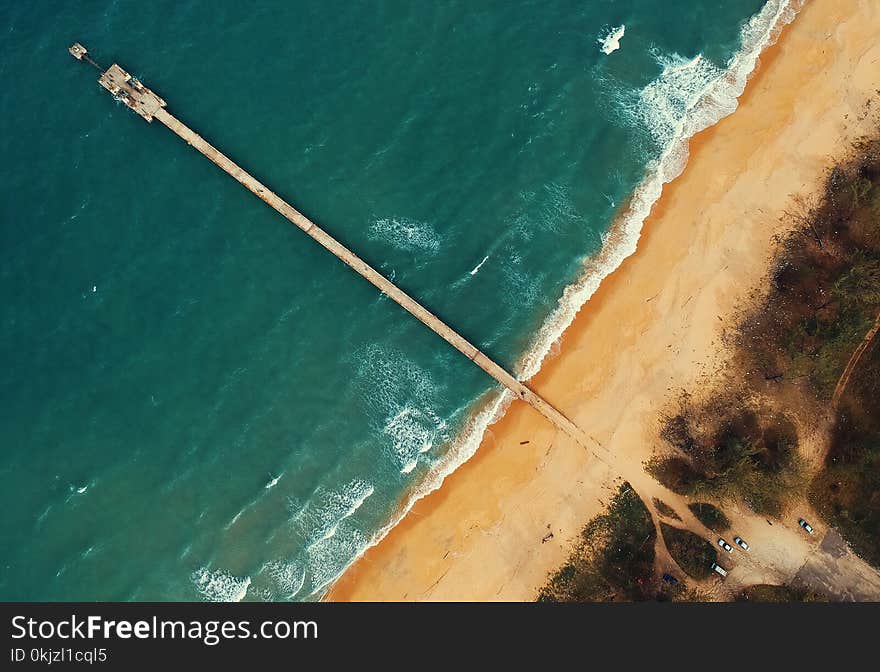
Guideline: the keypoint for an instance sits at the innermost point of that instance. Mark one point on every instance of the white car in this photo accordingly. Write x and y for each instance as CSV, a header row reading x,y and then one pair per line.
x,y
739,541
727,547
719,569
804,524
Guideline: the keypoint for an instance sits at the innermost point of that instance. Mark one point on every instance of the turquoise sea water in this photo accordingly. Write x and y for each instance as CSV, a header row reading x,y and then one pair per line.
x,y
196,401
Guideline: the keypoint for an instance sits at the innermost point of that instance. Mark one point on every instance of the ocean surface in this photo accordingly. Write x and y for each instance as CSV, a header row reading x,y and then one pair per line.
x,y
199,403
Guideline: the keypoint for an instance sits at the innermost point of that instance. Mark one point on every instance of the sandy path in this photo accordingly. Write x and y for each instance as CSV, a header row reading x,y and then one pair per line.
x,y
853,362
652,329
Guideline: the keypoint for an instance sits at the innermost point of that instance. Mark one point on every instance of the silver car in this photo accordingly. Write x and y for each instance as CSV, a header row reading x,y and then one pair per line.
x,y
719,569
804,524
727,547
739,541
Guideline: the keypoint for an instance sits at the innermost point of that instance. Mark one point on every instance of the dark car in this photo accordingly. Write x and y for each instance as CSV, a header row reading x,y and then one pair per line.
x,y
671,580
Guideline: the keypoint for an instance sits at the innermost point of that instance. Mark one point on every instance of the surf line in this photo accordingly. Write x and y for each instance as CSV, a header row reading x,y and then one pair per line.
x,y
148,105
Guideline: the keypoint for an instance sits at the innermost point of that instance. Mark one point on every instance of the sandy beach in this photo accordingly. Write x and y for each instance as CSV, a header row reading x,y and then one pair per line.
x,y
506,519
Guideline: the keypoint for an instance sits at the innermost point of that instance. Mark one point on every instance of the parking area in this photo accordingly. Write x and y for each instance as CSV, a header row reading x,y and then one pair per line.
x,y
834,569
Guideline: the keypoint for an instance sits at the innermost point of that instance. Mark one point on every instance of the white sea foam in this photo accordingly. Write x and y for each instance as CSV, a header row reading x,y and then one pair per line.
x,y
551,208
409,466
335,540
235,518
413,432
406,234
287,578
75,491
477,268
706,106
330,557
386,376
611,41
43,515
220,586
396,388
327,510
521,284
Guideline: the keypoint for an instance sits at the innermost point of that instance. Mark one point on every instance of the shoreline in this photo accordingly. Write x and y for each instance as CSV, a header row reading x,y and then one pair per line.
x,y
480,535
758,34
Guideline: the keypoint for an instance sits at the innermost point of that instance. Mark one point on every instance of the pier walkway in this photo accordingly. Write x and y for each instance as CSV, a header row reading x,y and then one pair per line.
x,y
148,105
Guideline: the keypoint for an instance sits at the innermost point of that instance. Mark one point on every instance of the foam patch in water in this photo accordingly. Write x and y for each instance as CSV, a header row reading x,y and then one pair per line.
x,y
397,389
611,41
406,234
327,510
329,557
220,586
287,578
412,432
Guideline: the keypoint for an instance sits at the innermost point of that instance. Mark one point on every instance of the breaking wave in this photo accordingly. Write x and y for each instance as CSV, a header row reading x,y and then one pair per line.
x,y
412,427
220,586
462,449
413,432
689,96
287,578
331,538
334,507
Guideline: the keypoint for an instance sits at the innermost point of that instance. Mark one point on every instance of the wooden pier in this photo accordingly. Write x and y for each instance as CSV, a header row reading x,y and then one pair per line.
x,y
149,106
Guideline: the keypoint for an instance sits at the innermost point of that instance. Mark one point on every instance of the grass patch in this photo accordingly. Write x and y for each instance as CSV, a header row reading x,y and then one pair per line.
x,y
693,554
825,285
614,559
847,491
766,593
665,509
711,516
744,453
680,592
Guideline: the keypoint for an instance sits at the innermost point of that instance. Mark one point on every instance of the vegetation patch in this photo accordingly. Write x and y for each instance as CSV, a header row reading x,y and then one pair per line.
x,y
792,350
847,491
746,453
614,559
665,509
679,592
693,554
711,516
825,285
825,299
767,593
